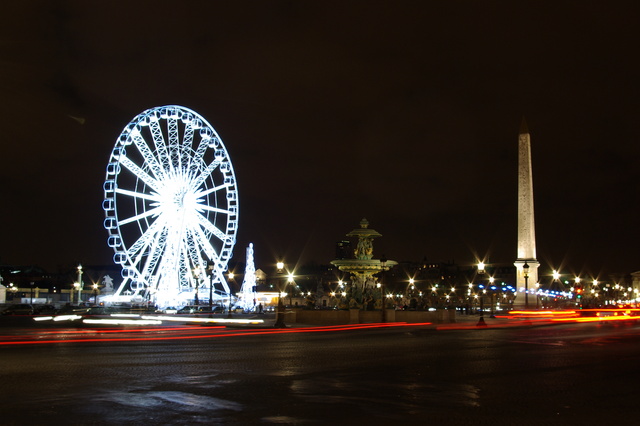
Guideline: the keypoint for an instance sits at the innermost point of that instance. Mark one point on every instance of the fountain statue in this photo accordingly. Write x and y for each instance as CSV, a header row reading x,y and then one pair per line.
x,y
363,267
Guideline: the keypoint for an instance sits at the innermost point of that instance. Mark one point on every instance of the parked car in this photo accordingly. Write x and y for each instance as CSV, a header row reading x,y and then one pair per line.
x,y
201,309
19,309
44,310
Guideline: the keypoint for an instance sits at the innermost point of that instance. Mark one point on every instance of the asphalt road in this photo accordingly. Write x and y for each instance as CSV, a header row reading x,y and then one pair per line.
x,y
563,374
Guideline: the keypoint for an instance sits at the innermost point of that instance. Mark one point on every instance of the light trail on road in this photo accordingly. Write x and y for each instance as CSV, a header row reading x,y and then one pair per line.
x,y
41,337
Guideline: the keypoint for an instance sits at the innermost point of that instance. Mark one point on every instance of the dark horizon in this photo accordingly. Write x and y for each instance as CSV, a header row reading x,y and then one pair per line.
x,y
407,114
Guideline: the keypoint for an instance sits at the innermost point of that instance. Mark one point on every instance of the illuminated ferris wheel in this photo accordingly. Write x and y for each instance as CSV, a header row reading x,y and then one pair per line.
x,y
171,205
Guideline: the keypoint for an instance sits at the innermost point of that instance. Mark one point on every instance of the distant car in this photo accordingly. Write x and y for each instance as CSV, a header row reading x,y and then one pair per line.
x,y
187,309
96,310
201,309
44,310
19,309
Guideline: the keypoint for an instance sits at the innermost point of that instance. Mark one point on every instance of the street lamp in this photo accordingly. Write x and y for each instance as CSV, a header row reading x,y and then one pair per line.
x,y
76,287
482,291
492,288
79,284
280,310
383,266
525,269
95,293
196,277
229,295
209,272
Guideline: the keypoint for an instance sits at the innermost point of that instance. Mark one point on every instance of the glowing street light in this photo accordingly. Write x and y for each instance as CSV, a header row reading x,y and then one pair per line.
x,y
383,267
95,293
230,276
196,276
481,322
492,288
525,270
208,271
280,309
79,284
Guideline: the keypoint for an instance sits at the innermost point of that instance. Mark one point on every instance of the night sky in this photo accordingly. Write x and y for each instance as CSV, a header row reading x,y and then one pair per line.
x,y
403,112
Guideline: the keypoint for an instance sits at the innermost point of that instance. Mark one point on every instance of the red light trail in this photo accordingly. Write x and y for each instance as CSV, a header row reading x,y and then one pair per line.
x,y
35,337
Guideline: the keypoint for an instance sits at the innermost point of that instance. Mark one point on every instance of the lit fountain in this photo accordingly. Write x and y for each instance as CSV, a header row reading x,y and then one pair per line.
x,y
363,267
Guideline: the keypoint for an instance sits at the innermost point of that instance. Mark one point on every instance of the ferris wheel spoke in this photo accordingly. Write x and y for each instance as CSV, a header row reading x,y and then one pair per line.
x,y
174,143
186,271
213,229
122,286
214,209
220,279
185,149
212,255
145,240
148,156
194,249
135,194
214,189
155,254
198,155
152,212
200,239
138,172
160,144
145,264
199,180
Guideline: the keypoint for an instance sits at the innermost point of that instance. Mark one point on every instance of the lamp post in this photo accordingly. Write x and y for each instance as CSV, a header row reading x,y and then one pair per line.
x,y
95,294
229,294
280,309
493,290
74,287
208,271
383,266
196,274
482,291
13,290
525,269
79,284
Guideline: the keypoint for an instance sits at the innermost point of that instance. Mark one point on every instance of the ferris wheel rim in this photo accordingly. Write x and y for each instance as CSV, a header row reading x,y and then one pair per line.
x,y
155,175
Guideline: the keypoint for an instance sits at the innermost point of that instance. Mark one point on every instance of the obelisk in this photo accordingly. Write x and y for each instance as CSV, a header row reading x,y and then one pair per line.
x,y
525,280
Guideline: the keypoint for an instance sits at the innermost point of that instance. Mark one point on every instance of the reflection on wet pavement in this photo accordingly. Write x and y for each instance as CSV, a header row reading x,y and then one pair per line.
x,y
176,399
408,396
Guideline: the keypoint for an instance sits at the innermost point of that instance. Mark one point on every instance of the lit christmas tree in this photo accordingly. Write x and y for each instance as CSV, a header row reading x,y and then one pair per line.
x,y
248,290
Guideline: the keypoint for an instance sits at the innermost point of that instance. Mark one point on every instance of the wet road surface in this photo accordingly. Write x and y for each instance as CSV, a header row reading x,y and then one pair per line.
x,y
561,374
